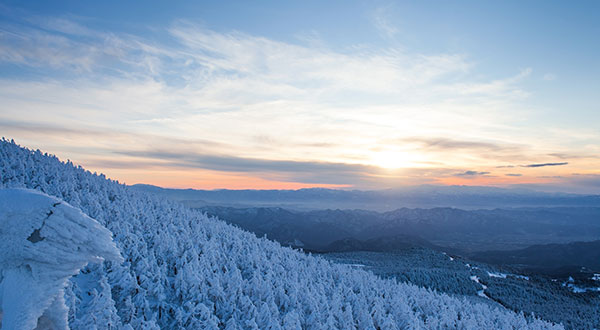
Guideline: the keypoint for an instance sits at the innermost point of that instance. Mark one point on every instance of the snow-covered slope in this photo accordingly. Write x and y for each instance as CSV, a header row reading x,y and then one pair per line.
x,y
43,242
184,270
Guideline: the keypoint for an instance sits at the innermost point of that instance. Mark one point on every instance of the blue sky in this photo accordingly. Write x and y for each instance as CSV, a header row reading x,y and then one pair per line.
x,y
295,94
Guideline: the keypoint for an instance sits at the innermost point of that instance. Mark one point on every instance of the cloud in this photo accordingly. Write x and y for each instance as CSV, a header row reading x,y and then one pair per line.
x,y
452,144
101,140
562,155
545,164
468,149
381,21
505,87
572,156
471,173
513,174
549,77
241,164
303,95
534,165
577,183
236,102
313,172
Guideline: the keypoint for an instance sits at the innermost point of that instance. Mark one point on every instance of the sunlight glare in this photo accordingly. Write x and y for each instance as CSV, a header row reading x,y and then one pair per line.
x,y
390,159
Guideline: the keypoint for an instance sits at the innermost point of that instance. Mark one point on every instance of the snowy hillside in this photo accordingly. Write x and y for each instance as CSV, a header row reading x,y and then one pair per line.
x,y
184,270
44,241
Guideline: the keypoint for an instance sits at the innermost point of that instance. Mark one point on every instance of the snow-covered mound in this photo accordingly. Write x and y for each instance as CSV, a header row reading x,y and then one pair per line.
x,y
184,270
43,242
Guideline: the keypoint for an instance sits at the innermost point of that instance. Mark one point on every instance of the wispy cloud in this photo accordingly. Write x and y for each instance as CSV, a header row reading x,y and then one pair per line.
x,y
453,144
283,170
383,23
471,173
545,164
534,165
235,102
568,155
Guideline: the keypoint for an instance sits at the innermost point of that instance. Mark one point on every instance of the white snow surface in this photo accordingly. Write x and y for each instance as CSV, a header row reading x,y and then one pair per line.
x,y
481,292
503,275
498,275
43,242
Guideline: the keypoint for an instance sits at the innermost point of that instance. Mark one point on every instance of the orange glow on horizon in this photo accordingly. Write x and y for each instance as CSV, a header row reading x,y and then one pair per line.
x,y
184,178
203,179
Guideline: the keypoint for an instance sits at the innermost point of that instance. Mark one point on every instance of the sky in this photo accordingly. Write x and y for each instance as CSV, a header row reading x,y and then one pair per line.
x,y
297,94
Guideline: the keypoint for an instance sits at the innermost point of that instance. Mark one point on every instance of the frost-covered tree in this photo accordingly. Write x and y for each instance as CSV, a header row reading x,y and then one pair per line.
x,y
97,311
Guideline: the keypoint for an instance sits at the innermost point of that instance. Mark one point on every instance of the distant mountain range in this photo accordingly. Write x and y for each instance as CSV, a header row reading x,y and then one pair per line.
x,y
425,196
453,229
500,235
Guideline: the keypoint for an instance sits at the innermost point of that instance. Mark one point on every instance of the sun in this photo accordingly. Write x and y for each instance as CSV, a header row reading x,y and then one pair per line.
x,y
390,159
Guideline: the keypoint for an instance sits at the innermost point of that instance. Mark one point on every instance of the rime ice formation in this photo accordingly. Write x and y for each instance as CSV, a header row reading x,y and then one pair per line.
x,y
43,242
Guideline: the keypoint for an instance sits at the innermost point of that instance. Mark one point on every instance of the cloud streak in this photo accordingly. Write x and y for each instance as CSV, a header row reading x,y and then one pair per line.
x,y
471,173
453,144
545,164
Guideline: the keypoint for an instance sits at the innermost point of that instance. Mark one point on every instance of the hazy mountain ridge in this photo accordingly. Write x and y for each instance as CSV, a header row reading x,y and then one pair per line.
x,y
474,230
425,196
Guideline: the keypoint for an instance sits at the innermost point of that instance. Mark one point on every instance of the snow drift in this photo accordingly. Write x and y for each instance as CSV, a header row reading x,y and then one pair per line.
x,y
185,270
43,242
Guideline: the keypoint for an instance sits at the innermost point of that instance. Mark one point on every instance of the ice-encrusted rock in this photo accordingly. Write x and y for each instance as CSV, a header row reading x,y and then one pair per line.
x,y
43,242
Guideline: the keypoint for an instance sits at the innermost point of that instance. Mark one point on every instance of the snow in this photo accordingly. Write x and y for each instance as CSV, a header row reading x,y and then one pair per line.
x,y
471,267
481,292
497,275
44,241
580,289
355,265
475,278
523,277
570,283
504,275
